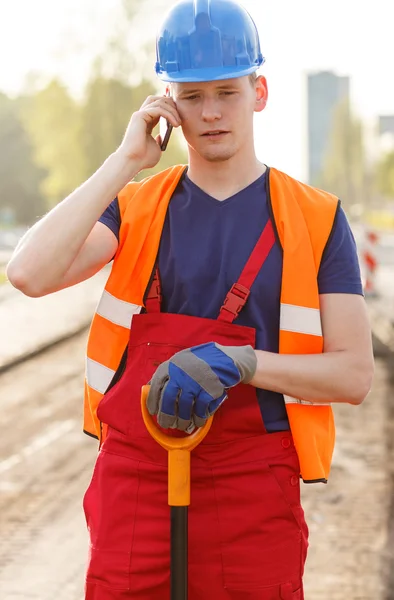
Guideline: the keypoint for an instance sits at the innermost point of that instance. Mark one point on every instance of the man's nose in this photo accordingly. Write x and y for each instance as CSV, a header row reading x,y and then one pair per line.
x,y
211,110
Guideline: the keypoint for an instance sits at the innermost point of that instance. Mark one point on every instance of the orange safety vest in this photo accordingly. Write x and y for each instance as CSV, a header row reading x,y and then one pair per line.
x,y
303,218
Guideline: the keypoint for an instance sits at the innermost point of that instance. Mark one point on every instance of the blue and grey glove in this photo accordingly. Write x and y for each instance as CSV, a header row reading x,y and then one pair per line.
x,y
187,389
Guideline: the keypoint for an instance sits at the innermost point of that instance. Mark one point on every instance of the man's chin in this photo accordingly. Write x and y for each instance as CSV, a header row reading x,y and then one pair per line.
x,y
217,155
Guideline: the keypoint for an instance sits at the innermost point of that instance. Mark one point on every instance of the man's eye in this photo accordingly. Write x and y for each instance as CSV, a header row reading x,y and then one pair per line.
x,y
191,97
228,93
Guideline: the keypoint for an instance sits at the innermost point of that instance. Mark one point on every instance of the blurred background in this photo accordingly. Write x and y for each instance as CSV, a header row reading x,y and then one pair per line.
x,y
71,75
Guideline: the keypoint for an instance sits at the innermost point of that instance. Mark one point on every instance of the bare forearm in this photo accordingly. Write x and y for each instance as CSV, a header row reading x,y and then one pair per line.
x,y
327,377
48,249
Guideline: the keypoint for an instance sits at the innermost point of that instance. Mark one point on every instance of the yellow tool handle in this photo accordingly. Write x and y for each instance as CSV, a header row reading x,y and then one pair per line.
x,y
178,454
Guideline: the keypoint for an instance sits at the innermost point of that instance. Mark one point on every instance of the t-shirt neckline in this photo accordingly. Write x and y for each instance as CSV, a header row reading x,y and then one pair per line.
x,y
211,199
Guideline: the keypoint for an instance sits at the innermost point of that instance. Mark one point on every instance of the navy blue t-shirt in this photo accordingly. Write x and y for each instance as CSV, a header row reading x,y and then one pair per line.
x,y
206,243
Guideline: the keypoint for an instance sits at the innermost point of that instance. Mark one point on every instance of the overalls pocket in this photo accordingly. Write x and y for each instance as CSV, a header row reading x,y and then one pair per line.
x,y
287,476
260,535
277,592
128,521
110,517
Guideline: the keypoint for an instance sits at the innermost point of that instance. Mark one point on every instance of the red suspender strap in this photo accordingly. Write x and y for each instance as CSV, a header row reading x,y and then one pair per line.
x,y
153,297
239,293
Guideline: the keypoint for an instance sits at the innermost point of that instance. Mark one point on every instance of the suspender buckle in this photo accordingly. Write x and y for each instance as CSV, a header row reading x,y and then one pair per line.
x,y
236,299
153,298
154,292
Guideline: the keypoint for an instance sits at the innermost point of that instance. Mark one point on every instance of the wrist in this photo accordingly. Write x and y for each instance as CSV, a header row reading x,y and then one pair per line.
x,y
245,358
123,167
249,364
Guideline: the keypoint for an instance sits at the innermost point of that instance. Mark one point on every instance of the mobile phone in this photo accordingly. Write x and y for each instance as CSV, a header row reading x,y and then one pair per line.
x,y
165,130
165,133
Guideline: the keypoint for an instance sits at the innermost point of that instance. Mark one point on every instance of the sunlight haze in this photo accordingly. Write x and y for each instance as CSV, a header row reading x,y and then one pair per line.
x,y
61,39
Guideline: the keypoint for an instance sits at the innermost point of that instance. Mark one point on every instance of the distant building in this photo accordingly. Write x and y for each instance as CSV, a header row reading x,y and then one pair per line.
x,y
386,133
325,91
386,124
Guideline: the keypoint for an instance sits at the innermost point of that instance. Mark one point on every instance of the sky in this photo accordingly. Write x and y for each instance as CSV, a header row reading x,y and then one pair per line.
x,y
349,37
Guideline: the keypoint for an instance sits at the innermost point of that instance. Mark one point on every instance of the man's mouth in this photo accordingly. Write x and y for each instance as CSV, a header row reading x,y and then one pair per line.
x,y
214,133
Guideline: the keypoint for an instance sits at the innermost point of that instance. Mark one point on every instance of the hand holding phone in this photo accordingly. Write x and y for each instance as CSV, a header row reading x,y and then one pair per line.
x,y
142,149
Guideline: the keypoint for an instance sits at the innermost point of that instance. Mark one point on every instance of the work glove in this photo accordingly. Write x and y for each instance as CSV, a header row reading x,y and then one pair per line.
x,y
187,389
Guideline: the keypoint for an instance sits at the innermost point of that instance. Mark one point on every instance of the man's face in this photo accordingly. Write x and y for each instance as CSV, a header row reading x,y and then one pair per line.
x,y
217,116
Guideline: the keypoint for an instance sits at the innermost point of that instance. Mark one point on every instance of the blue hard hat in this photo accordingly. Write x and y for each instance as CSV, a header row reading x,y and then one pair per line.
x,y
207,40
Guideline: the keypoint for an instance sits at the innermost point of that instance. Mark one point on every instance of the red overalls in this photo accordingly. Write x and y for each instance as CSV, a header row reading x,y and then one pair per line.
x,y
247,534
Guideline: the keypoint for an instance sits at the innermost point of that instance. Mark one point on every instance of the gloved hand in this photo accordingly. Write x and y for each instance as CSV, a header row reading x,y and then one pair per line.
x,y
187,389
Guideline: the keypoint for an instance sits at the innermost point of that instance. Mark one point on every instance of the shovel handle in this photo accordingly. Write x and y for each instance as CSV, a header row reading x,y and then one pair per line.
x,y
178,454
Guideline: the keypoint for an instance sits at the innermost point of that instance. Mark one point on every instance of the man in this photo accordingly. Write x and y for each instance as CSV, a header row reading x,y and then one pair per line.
x,y
235,291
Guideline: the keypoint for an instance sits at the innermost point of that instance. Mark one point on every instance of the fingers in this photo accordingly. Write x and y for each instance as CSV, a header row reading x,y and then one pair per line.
x,y
167,414
205,407
201,405
162,99
174,407
155,107
185,409
179,408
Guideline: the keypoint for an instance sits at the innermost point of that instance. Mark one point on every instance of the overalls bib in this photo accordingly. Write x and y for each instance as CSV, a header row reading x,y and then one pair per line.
x,y
247,534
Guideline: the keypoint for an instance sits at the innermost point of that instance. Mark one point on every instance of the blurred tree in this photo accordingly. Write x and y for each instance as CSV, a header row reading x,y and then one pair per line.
x,y
123,59
67,141
107,109
345,172
53,120
385,175
20,178
118,86
106,113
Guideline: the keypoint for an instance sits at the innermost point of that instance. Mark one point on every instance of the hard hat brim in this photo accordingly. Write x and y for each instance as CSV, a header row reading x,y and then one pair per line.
x,y
209,74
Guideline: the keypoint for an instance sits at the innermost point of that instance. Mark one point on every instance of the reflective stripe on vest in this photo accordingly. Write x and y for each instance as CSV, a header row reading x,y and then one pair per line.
x,y
300,319
117,311
98,376
290,400
303,218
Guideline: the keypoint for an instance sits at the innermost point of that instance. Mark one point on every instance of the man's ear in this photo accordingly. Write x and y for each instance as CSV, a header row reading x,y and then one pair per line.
x,y
261,94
